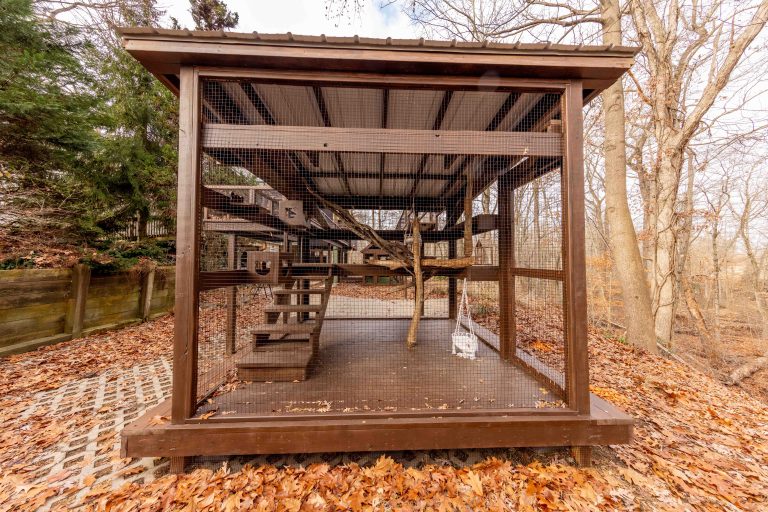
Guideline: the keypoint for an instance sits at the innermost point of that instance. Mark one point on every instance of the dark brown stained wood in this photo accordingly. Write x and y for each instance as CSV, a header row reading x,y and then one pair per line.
x,y
81,278
436,125
376,140
162,54
452,282
378,175
575,289
582,455
218,201
384,123
187,250
420,204
231,297
320,99
507,325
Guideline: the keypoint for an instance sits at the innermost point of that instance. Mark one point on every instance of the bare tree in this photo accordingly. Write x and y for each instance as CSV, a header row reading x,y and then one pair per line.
x,y
678,44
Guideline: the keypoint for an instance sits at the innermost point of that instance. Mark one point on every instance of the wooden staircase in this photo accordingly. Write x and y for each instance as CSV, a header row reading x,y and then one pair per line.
x,y
287,342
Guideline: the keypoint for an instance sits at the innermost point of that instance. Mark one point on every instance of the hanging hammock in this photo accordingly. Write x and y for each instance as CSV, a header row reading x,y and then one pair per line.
x,y
463,341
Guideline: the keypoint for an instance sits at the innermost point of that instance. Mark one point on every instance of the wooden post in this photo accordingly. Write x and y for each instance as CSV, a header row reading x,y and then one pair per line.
x,y
304,258
582,455
145,299
507,321
451,282
231,340
184,393
81,280
576,363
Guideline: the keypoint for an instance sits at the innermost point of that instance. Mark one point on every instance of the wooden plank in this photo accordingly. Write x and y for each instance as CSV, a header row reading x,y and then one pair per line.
x,y
575,285
21,298
376,140
507,316
81,278
452,289
34,275
187,249
390,433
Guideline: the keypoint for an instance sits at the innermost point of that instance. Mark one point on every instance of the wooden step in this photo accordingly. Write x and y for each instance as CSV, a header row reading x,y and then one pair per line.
x,y
280,328
283,344
280,366
294,291
280,359
293,308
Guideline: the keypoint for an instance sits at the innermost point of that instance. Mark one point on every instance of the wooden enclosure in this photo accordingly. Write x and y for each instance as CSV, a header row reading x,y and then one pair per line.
x,y
336,140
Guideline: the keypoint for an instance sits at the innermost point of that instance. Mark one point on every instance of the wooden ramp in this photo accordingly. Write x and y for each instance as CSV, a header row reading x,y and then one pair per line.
x,y
287,342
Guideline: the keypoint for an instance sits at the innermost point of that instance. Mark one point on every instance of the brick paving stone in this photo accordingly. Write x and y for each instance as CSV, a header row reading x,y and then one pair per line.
x,y
116,397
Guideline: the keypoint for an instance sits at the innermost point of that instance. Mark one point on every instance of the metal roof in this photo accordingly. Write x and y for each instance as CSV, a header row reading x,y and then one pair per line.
x,y
164,51
290,39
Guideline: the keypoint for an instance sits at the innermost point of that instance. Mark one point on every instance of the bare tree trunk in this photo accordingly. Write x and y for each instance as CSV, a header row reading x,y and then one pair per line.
x,y
623,239
747,369
665,235
418,305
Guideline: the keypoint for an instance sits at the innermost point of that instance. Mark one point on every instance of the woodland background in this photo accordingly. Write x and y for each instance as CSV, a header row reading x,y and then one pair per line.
x,y
677,193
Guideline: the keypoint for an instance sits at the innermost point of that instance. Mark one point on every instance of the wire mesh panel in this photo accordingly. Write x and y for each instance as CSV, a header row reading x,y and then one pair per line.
x,y
324,208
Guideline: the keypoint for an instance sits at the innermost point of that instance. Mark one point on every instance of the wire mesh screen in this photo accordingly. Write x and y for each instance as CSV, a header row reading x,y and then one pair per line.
x,y
322,206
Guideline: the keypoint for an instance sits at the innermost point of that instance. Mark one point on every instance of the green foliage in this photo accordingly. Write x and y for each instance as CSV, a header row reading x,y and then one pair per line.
x,y
212,15
47,111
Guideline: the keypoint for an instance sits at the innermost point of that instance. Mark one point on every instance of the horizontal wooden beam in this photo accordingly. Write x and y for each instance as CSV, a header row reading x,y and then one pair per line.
x,y
223,203
420,204
401,175
477,429
377,140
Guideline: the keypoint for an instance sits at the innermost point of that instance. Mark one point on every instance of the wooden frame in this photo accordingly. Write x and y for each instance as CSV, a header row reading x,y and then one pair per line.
x,y
380,140
585,421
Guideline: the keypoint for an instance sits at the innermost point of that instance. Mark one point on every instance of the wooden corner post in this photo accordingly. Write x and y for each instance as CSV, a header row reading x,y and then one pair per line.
x,y
506,227
575,298
187,250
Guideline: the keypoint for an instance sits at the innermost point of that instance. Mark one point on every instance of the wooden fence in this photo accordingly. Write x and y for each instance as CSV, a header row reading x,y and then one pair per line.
x,y
43,306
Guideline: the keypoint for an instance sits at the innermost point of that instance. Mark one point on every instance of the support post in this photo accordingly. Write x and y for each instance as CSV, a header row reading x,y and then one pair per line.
x,y
304,258
582,455
81,280
574,289
184,394
177,465
452,282
231,340
507,320
145,299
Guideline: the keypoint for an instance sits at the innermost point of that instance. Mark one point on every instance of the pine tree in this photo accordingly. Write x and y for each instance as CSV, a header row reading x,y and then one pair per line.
x,y
212,15
47,119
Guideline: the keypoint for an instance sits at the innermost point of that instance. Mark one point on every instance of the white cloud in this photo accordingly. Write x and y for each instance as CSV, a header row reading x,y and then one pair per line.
x,y
305,17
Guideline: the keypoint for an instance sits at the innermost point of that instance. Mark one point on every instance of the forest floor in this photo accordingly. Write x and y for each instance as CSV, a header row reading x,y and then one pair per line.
x,y
698,444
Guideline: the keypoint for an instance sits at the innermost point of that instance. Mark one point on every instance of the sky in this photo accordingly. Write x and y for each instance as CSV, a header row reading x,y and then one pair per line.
x,y
306,17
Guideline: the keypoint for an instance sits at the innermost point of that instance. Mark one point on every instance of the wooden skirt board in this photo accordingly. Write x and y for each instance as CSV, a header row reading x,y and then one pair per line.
x,y
367,392
605,425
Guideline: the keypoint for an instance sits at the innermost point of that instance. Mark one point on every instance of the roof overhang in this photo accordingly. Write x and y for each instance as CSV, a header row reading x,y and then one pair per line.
x,y
164,51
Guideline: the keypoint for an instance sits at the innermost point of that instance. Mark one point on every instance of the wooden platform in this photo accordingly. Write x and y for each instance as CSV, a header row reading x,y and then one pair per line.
x,y
366,391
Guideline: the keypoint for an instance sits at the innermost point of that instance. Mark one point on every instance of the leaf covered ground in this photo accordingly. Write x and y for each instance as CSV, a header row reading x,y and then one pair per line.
x,y
699,445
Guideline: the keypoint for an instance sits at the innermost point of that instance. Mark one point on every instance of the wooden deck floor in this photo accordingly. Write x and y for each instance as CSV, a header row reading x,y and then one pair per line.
x,y
364,366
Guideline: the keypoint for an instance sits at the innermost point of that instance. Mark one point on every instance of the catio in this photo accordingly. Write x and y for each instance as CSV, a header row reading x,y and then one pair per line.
x,y
298,153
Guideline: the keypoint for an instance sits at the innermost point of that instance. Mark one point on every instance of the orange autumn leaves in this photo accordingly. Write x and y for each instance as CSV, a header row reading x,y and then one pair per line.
x,y
491,485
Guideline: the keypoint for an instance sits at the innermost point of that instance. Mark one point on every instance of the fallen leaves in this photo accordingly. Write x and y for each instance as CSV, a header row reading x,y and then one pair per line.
x,y
698,445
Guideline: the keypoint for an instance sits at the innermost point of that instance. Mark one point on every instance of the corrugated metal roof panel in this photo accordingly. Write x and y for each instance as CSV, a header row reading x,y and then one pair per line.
x,y
322,40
